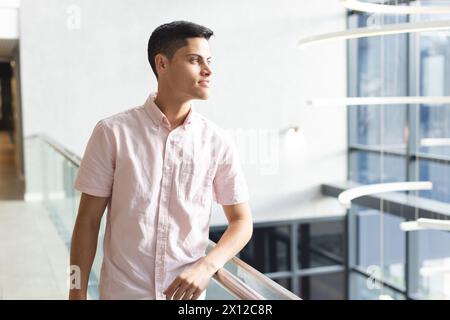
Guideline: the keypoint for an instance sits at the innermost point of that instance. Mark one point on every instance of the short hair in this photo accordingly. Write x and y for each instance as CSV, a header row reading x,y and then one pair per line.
x,y
170,37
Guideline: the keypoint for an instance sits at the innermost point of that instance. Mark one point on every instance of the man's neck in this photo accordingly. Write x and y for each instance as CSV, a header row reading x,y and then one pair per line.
x,y
175,109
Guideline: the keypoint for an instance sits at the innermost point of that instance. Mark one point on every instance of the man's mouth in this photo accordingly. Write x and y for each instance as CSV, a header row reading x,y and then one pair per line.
x,y
204,83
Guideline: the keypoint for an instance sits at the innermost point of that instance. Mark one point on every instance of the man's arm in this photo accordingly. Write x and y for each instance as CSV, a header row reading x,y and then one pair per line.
x,y
84,239
235,237
194,280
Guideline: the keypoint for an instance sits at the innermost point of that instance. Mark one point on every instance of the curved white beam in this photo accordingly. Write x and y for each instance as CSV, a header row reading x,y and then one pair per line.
x,y
410,226
346,197
434,224
377,31
363,6
434,142
353,101
425,224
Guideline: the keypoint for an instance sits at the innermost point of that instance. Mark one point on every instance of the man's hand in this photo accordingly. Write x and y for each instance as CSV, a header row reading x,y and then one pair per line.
x,y
190,284
194,279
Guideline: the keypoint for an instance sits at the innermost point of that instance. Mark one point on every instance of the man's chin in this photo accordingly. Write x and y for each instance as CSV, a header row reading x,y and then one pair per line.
x,y
202,96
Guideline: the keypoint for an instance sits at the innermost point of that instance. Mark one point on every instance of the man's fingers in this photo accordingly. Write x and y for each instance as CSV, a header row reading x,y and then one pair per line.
x,y
171,289
197,294
181,291
189,293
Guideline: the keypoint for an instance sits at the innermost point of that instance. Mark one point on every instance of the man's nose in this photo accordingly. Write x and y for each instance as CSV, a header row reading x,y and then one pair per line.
x,y
206,70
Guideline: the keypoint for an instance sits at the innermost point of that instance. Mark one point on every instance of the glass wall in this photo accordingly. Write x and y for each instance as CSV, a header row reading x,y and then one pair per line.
x,y
393,143
381,71
369,167
379,241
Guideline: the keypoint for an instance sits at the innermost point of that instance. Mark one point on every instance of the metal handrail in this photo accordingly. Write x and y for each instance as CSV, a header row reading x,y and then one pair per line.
x,y
236,286
69,155
272,285
225,278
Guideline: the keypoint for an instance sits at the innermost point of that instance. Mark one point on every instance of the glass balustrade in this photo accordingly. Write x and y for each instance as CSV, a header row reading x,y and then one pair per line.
x,y
51,172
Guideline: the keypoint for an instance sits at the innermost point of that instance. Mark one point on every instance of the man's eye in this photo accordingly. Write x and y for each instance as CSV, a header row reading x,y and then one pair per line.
x,y
194,60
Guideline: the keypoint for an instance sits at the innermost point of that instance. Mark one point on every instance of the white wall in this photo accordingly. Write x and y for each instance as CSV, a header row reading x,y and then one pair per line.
x,y
9,19
9,28
72,77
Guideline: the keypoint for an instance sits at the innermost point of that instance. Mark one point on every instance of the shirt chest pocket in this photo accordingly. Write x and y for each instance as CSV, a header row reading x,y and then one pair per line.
x,y
195,182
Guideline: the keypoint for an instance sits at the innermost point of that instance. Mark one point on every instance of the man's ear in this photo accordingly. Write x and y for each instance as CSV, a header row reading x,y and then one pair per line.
x,y
161,63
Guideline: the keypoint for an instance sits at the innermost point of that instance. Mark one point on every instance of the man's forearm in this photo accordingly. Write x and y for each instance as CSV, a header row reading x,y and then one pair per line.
x,y
235,237
82,254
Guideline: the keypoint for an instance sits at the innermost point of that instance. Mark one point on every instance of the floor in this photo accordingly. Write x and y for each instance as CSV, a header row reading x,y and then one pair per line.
x,y
33,258
11,186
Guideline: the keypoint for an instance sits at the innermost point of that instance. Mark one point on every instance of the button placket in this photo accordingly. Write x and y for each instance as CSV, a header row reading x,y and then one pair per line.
x,y
163,216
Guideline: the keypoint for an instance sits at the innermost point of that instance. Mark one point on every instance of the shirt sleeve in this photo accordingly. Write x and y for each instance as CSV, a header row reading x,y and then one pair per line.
x,y
229,182
96,172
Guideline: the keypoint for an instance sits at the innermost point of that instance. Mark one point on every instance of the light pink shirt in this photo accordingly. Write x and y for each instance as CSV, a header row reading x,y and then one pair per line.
x,y
161,184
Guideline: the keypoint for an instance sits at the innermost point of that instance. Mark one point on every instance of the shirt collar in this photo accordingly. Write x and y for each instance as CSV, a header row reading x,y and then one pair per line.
x,y
159,118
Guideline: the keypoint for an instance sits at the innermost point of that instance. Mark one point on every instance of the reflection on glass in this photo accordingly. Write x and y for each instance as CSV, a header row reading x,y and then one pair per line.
x,y
264,286
329,286
365,168
434,81
285,282
368,245
321,244
360,289
268,250
381,71
434,264
439,174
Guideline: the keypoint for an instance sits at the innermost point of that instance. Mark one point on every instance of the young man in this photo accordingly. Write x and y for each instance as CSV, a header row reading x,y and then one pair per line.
x,y
156,168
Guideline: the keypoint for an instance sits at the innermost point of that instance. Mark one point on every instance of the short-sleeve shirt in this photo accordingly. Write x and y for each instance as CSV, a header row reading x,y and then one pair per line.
x,y
161,184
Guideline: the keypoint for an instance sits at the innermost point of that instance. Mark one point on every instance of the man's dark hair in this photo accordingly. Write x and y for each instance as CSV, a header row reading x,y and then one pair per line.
x,y
170,37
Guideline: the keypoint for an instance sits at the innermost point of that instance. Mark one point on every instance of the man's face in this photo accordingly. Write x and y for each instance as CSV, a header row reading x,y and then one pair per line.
x,y
189,72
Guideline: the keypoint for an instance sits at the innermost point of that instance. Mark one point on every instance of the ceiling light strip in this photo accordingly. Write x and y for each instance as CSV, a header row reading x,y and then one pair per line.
x,y
353,101
425,224
434,224
434,142
377,31
410,226
346,197
363,6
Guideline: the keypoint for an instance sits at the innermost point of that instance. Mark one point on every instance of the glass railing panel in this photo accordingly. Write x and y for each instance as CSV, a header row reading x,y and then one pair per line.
x,y
52,175
215,291
261,284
